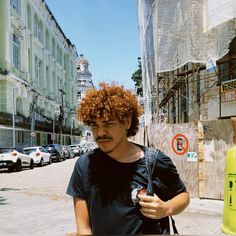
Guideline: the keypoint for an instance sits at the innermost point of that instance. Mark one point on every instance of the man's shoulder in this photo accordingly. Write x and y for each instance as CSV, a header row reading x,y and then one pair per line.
x,y
87,157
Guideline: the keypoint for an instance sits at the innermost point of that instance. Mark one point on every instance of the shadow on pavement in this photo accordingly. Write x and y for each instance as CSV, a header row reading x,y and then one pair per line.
x,y
3,201
9,189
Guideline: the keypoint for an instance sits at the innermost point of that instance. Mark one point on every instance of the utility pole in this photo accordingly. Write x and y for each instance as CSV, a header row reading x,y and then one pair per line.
x,y
33,106
61,115
13,119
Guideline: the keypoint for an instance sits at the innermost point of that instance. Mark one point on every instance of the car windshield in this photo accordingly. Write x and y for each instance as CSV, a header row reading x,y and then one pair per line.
x,y
6,150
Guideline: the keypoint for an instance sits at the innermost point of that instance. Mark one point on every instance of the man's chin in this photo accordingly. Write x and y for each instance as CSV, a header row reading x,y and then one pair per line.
x,y
105,149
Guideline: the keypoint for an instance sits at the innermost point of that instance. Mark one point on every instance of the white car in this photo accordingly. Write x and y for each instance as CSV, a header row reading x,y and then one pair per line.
x,y
15,158
39,154
76,149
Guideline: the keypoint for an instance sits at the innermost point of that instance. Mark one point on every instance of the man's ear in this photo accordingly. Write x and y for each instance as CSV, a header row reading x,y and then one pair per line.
x,y
128,121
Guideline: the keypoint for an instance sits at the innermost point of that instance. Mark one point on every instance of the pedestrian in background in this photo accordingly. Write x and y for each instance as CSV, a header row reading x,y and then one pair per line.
x,y
107,183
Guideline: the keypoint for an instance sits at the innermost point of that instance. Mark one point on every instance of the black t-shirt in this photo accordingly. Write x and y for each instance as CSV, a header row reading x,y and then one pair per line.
x,y
107,185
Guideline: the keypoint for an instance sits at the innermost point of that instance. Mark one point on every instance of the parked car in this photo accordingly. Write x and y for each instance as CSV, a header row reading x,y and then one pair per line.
x,y
68,152
39,154
56,151
76,149
91,146
65,151
84,147
15,159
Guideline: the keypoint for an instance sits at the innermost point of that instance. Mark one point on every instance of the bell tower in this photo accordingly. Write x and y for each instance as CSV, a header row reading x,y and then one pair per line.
x,y
84,77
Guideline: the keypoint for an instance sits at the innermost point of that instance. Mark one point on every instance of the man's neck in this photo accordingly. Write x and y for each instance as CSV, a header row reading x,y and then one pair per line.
x,y
127,152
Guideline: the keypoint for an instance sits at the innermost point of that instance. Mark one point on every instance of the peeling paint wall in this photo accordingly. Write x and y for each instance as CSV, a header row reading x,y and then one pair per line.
x,y
197,149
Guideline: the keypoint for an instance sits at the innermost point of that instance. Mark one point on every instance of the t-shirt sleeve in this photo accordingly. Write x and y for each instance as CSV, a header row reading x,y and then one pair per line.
x,y
169,178
76,186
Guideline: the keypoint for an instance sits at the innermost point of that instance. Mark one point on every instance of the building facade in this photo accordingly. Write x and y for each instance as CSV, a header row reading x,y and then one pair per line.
x,y
188,70
37,76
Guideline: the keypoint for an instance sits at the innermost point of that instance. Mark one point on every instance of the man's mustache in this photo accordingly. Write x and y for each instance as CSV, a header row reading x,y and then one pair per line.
x,y
103,138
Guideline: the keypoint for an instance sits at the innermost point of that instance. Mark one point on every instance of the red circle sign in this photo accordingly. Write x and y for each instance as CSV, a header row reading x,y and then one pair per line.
x,y
179,144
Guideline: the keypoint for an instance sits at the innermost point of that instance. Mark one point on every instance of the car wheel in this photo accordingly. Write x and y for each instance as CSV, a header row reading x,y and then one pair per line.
x,y
31,164
50,161
41,164
58,158
11,168
18,166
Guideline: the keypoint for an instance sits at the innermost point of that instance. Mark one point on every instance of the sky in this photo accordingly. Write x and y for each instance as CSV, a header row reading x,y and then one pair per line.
x,y
105,32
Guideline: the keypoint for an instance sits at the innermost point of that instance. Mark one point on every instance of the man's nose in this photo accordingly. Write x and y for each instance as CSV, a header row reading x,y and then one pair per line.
x,y
101,131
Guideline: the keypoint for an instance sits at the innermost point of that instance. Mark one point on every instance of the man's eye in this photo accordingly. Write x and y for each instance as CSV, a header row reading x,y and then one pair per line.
x,y
109,124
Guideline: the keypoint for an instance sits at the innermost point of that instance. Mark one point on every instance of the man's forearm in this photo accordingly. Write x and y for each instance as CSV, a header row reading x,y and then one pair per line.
x,y
178,203
84,231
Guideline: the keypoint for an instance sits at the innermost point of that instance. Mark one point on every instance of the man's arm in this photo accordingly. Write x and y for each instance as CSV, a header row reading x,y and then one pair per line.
x,y
153,207
82,217
178,203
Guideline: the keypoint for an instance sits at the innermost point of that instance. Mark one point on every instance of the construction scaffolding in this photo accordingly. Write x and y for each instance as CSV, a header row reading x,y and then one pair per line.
x,y
176,32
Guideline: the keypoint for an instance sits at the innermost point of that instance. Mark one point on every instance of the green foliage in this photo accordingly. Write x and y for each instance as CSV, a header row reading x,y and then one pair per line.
x,y
137,78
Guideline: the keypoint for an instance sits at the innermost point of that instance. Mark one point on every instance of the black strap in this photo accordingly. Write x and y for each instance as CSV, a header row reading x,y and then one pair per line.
x,y
151,156
173,225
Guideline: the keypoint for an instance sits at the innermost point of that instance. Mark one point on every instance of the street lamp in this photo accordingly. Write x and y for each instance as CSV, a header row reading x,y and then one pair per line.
x,y
13,119
71,129
61,116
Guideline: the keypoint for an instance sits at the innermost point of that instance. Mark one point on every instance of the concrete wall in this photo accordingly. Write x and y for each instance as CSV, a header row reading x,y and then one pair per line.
x,y
197,149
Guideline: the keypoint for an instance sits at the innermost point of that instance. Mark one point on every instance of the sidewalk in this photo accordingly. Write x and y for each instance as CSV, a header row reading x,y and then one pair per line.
x,y
202,217
52,215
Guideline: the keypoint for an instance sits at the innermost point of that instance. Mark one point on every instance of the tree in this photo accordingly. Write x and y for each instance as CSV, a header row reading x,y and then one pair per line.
x,y
137,78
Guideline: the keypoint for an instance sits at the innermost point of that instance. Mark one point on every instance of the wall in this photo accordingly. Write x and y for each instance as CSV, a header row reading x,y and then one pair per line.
x,y
197,149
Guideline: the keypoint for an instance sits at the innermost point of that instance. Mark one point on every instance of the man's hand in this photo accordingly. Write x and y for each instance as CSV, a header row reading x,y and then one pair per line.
x,y
153,207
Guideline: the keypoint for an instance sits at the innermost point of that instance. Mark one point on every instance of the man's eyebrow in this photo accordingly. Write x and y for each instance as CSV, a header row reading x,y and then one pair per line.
x,y
107,121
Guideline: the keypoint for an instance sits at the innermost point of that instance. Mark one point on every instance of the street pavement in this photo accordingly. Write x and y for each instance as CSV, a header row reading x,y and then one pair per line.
x,y
33,202
202,217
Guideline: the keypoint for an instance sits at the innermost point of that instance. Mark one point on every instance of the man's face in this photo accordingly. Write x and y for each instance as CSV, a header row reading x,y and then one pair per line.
x,y
109,134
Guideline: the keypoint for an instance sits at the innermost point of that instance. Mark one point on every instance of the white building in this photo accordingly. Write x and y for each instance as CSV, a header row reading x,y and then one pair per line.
x,y
37,75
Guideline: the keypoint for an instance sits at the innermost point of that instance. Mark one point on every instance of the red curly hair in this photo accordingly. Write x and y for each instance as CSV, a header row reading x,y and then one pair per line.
x,y
110,101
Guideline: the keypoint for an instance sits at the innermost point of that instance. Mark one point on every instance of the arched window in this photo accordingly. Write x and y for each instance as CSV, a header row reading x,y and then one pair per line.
x,y
60,56
29,22
72,69
16,50
47,40
19,106
35,25
15,4
40,32
53,47
58,53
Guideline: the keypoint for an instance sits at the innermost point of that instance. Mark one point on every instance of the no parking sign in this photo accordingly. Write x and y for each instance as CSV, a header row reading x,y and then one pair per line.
x,y
179,144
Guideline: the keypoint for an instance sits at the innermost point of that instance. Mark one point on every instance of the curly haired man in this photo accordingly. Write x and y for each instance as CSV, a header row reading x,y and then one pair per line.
x,y
106,181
